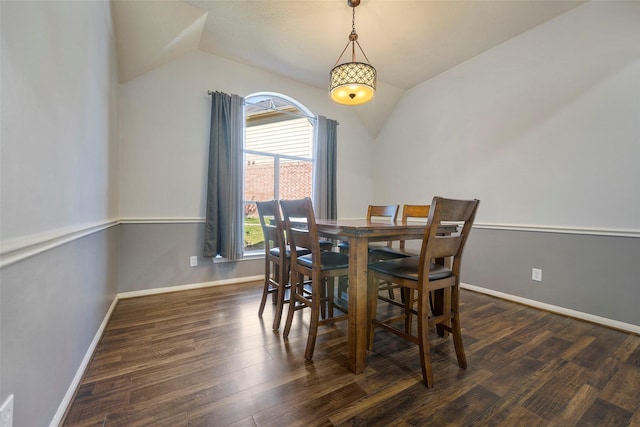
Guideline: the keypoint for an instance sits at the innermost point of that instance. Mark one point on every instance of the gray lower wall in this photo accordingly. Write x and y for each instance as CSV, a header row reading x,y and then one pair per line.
x,y
51,306
593,274
598,275
157,256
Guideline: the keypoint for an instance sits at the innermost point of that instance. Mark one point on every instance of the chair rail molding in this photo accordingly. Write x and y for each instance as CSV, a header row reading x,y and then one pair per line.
x,y
161,220
14,250
20,248
613,232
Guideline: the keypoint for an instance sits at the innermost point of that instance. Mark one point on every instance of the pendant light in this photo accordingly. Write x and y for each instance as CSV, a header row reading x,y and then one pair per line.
x,y
352,83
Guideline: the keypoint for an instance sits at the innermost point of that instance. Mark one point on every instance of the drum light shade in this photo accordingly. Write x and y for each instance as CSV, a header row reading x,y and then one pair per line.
x,y
352,83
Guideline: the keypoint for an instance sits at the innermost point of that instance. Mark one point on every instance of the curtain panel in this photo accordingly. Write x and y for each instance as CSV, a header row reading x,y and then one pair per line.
x,y
223,224
326,167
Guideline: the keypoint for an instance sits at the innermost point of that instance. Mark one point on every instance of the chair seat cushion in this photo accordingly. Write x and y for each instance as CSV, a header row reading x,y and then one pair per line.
x,y
301,251
407,268
394,252
328,261
326,245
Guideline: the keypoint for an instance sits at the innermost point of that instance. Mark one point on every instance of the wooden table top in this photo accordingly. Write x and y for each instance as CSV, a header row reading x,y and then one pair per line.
x,y
361,227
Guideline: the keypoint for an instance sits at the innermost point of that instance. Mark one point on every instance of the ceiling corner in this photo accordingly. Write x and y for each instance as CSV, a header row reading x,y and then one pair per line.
x,y
149,34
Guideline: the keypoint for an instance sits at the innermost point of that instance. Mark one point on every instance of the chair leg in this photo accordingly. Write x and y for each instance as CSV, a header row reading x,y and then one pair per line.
x,y
456,329
297,285
373,288
407,297
316,303
392,295
423,338
283,280
437,307
265,291
274,289
441,304
330,296
323,299
342,286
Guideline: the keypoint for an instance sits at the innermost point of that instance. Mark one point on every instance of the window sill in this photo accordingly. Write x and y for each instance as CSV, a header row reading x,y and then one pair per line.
x,y
247,257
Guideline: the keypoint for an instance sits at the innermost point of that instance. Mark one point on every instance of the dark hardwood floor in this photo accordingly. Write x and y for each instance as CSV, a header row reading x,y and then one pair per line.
x,y
204,358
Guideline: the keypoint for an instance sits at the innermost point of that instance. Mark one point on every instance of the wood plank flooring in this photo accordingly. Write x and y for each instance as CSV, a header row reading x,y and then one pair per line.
x,y
204,358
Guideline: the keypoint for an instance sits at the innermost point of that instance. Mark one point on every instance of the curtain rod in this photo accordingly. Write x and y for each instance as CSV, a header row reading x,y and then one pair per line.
x,y
244,102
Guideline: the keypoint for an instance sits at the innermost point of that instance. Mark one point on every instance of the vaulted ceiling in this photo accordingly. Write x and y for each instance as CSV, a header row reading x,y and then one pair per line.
x,y
408,41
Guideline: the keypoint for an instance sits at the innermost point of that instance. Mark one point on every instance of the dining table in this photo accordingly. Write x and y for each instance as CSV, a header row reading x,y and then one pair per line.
x,y
359,233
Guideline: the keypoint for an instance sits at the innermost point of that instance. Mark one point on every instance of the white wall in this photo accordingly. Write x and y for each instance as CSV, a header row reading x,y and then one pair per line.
x,y
165,130
544,129
58,119
58,165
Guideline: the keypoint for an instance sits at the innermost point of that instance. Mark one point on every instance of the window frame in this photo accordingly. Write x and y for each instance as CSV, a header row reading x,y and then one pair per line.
x,y
303,113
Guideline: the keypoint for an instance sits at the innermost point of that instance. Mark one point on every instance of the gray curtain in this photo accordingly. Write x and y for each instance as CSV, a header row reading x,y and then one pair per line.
x,y
324,175
223,226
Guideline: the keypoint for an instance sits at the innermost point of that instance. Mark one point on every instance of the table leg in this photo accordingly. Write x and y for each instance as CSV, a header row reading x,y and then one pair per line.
x,y
358,261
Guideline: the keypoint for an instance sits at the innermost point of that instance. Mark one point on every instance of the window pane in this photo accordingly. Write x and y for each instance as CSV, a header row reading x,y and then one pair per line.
x,y
253,237
259,173
295,179
293,137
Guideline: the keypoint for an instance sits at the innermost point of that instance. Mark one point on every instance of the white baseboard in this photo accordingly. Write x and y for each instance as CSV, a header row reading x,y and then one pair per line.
x,y
154,291
627,327
68,397
57,418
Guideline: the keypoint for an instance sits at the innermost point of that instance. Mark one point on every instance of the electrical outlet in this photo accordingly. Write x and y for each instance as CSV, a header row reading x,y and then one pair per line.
x,y
536,275
6,412
193,260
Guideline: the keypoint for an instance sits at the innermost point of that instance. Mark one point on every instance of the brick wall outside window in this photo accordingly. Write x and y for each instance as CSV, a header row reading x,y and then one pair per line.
x,y
295,182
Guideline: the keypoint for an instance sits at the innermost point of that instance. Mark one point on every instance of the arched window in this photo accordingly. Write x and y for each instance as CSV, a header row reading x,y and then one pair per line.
x,y
278,156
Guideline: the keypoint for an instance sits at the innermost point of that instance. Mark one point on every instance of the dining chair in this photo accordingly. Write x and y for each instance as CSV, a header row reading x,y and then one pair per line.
x,y
374,212
308,261
277,258
426,278
409,212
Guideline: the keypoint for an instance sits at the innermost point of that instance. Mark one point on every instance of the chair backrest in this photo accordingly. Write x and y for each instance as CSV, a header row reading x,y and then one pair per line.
x,y
300,225
272,226
389,212
413,211
437,245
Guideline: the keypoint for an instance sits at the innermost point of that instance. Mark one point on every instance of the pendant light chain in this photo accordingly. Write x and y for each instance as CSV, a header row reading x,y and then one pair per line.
x,y
353,32
353,20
